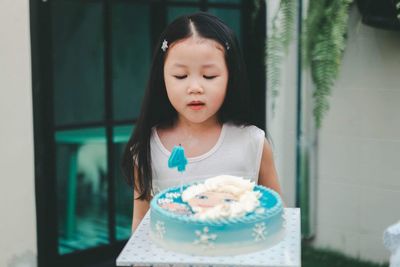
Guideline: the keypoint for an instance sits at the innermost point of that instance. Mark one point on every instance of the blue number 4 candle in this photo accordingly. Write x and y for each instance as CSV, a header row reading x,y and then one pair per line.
x,y
178,160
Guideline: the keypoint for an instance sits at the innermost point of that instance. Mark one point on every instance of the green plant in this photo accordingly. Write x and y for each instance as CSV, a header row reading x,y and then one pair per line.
x,y
278,42
325,40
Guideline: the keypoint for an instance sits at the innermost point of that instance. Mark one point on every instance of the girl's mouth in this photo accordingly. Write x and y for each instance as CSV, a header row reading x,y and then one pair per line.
x,y
196,105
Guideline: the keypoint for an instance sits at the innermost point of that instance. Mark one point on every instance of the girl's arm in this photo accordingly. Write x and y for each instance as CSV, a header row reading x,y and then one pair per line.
x,y
268,176
140,207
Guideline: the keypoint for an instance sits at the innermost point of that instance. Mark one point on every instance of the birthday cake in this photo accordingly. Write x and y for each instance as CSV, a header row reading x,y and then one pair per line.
x,y
224,215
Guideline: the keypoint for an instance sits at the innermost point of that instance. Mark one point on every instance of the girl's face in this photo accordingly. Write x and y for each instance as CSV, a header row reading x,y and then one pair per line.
x,y
196,78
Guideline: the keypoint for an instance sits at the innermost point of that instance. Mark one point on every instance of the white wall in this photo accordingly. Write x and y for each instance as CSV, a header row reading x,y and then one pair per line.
x,y
358,182
17,201
281,124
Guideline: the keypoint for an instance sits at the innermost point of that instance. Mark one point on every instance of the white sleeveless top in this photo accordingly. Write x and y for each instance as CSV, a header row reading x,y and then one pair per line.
x,y
237,152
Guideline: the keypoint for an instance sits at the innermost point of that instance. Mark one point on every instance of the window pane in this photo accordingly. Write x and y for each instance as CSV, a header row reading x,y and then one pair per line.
x,y
231,17
131,52
81,169
78,62
123,193
174,12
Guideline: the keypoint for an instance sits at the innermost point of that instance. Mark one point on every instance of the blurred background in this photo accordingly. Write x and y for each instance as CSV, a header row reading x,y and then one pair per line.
x,y
324,79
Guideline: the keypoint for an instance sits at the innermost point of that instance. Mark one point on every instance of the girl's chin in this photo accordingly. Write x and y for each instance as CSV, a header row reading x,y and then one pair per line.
x,y
192,120
198,118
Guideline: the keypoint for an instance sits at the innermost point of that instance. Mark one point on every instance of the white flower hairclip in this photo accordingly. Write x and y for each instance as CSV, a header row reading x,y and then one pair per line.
x,y
164,45
227,45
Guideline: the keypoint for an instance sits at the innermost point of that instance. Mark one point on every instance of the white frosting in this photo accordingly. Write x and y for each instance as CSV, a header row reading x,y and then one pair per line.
x,y
241,188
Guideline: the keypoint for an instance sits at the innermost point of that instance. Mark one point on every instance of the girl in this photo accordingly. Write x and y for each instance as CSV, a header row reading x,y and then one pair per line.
x,y
195,97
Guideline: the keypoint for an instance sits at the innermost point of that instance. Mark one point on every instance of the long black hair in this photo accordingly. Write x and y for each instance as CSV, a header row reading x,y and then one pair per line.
x,y
156,108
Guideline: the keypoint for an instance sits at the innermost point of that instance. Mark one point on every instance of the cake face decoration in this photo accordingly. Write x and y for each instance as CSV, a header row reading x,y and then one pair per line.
x,y
221,197
211,199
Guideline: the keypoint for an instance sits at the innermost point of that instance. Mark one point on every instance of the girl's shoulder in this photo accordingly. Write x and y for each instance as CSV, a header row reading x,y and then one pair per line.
x,y
244,131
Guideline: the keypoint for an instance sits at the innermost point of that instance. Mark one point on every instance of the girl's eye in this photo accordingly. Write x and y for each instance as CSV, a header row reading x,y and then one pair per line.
x,y
209,77
180,77
201,197
228,200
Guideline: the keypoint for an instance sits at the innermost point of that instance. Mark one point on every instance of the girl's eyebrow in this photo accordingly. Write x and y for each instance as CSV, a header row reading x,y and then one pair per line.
x,y
179,65
210,65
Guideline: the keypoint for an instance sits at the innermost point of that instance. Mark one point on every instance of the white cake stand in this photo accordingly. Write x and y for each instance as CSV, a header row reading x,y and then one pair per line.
x,y
140,251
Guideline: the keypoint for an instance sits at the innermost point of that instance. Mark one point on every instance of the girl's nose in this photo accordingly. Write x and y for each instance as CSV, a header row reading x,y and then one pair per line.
x,y
195,88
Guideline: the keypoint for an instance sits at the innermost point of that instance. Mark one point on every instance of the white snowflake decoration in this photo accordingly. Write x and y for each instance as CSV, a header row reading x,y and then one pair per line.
x,y
160,229
205,238
259,232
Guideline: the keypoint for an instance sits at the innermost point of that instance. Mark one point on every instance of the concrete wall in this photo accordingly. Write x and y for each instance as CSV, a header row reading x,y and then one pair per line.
x,y
358,182
17,201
